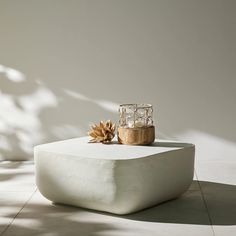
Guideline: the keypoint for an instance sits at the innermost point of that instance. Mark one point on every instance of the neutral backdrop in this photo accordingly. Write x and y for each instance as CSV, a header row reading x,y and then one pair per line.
x,y
67,64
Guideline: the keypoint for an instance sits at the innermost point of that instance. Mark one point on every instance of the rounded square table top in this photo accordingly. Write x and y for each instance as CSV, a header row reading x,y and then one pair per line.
x,y
80,147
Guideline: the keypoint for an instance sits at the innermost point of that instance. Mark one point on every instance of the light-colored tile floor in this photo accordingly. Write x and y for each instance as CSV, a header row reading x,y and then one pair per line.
x,y
208,208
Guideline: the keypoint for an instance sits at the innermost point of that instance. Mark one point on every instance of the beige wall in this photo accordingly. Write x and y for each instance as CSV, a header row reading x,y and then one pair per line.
x,y
68,63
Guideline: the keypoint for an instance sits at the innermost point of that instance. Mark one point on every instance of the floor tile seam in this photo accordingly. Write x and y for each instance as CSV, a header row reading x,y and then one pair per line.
x,y
26,202
205,204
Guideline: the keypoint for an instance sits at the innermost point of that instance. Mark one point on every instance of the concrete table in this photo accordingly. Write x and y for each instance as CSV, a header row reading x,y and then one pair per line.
x,y
114,178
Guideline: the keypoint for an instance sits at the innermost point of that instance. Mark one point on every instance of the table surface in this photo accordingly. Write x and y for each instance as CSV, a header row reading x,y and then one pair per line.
x,y
80,147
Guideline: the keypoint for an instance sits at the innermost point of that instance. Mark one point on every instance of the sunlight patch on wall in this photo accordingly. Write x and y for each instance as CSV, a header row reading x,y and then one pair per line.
x,y
12,74
210,147
215,157
4,144
24,118
14,117
20,124
76,95
107,105
104,104
35,102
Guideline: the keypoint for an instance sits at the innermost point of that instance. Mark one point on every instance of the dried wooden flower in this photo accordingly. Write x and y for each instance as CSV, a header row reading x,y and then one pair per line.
x,y
104,132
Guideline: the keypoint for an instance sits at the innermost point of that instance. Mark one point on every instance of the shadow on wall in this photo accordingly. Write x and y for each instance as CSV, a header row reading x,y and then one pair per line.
x,y
188,209
32,113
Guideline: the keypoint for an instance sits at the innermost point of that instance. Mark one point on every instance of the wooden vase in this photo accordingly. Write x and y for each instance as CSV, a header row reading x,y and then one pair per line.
x,y
136,136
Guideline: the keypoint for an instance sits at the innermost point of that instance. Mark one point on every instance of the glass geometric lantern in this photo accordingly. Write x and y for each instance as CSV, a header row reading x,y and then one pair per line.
x,y
136,115
136,124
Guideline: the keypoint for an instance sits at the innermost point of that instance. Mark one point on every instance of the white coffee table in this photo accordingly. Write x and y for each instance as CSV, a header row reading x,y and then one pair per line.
x,y
114,178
